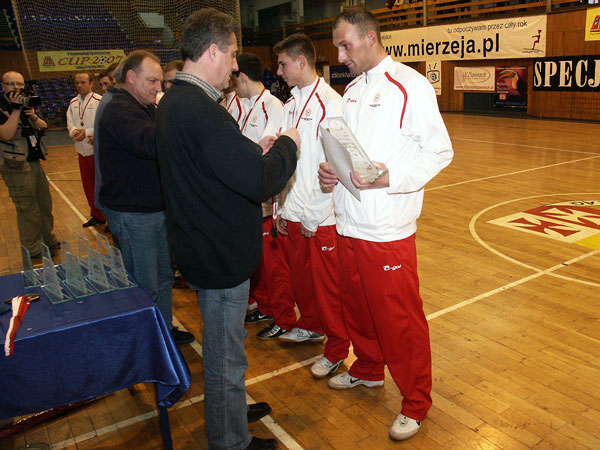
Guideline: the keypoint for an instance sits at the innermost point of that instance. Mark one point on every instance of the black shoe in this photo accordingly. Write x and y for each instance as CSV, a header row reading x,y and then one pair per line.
x,y
55,246
257,411
93,221
273,331
256,316
181,337
262,444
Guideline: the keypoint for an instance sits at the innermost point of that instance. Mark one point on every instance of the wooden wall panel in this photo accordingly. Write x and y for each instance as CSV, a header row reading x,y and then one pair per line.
x,y
566,37
13,60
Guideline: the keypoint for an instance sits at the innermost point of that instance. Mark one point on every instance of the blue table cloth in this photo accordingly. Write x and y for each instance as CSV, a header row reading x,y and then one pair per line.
x,y
85,348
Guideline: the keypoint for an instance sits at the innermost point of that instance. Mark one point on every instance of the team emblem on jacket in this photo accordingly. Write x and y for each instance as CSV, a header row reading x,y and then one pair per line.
x,y
255,119
376,101
308,112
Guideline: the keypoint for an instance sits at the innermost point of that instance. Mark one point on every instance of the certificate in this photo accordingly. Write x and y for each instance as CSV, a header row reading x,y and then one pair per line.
x,y
346,155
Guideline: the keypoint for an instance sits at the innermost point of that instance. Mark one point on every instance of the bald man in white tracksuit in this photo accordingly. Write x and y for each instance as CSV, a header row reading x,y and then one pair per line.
x,y
393,112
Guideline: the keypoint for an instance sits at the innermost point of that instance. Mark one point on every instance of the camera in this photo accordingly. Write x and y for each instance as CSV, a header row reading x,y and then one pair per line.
x,y
30,98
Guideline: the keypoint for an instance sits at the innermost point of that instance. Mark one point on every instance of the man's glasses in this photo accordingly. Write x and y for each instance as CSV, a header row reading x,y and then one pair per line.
x,y
14,83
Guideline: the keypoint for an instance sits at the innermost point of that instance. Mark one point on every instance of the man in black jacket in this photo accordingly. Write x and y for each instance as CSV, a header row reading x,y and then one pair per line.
x,y
131,192
214,180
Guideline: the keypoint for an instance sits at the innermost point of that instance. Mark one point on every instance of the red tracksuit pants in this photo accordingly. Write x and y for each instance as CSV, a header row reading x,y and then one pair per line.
x,y
270,284
379,291
87,168
313,266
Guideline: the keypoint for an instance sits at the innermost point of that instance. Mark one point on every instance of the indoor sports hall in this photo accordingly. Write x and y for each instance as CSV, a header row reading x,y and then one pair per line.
x,y
508,240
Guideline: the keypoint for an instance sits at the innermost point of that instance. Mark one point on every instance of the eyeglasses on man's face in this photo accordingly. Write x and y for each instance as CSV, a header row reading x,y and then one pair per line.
x,y
14,84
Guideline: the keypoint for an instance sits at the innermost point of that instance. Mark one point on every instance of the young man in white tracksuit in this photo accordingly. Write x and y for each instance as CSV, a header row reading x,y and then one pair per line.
x,y
263,113
307,218
393,112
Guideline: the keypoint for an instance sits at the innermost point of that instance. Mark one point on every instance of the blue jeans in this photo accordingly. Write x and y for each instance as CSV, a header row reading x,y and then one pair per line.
x,y
225,364
145,249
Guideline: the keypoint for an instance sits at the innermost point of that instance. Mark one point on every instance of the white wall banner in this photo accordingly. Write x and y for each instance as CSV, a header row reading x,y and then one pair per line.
x,y
434,75
520,37
475,78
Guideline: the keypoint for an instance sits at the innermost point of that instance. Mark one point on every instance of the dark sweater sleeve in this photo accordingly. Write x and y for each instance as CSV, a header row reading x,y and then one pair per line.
x,y
135,134
237,163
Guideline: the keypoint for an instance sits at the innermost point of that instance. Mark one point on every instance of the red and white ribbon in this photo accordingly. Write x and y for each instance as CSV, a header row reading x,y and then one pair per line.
x,y
20,305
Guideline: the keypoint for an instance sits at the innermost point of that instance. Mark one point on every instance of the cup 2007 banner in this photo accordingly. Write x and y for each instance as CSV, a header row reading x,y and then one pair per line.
x,y
65,61
521,37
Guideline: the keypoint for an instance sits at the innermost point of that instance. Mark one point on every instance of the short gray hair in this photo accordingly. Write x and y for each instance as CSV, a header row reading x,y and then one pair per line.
x,y
205,27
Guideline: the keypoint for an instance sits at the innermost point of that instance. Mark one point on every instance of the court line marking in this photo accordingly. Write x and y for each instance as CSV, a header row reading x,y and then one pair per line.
x,y
72,206
488,247
539,272
59,173
510,173
524,145
268,421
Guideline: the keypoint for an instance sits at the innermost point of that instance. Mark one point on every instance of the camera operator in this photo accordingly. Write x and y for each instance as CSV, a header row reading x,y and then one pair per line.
x,y
20,152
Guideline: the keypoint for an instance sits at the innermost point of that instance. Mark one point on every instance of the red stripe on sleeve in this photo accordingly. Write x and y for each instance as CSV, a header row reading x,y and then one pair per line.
x,y
397,83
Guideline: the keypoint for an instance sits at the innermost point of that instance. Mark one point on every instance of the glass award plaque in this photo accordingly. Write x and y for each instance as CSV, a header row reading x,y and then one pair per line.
x,y
29,275
96,273
74,279
52,286
338,127
118,273
104,250
83,251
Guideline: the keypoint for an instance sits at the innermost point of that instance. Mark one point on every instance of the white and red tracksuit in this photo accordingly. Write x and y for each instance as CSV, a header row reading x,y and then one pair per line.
x,y
81,114
393,112
235,106
313,261
269,286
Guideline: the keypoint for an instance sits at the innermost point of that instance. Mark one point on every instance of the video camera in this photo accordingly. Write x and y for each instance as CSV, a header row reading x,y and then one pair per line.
x,y
30,98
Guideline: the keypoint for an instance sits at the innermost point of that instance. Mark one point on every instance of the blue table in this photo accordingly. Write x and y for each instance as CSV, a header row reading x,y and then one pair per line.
x,y
86,348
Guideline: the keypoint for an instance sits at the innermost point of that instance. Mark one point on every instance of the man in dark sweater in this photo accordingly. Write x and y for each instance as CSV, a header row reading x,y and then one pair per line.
x,y
131,191
214,180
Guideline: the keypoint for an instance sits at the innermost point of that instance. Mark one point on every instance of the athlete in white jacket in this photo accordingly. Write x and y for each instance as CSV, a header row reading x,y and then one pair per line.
x,y
269,286
306,214
80,124
393,112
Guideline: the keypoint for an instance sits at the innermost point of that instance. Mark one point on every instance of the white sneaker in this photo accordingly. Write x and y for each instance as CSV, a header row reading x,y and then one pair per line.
x,y
301,335
404,427
346,381
323,367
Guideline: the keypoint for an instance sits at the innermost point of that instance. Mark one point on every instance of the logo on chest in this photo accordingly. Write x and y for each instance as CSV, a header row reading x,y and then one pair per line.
x,y
375,103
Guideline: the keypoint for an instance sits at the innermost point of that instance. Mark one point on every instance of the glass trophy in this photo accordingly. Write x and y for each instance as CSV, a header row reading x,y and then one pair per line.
x,y
29,275
117,270
46,253
52,286
74,279
96,273
104,250
83,251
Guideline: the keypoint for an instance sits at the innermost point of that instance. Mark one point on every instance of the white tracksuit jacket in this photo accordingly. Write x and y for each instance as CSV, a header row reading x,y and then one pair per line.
x,y
234,106
393,111
264,113
83,110
303,201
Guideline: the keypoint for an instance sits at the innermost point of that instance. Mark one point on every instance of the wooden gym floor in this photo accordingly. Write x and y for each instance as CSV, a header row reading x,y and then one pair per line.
x,y
508,245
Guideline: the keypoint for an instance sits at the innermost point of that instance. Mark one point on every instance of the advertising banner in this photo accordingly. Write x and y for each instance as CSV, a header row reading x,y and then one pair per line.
x,y
474,78
511,87
521,37
340,75
434,75
67,61
592,24
567,73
